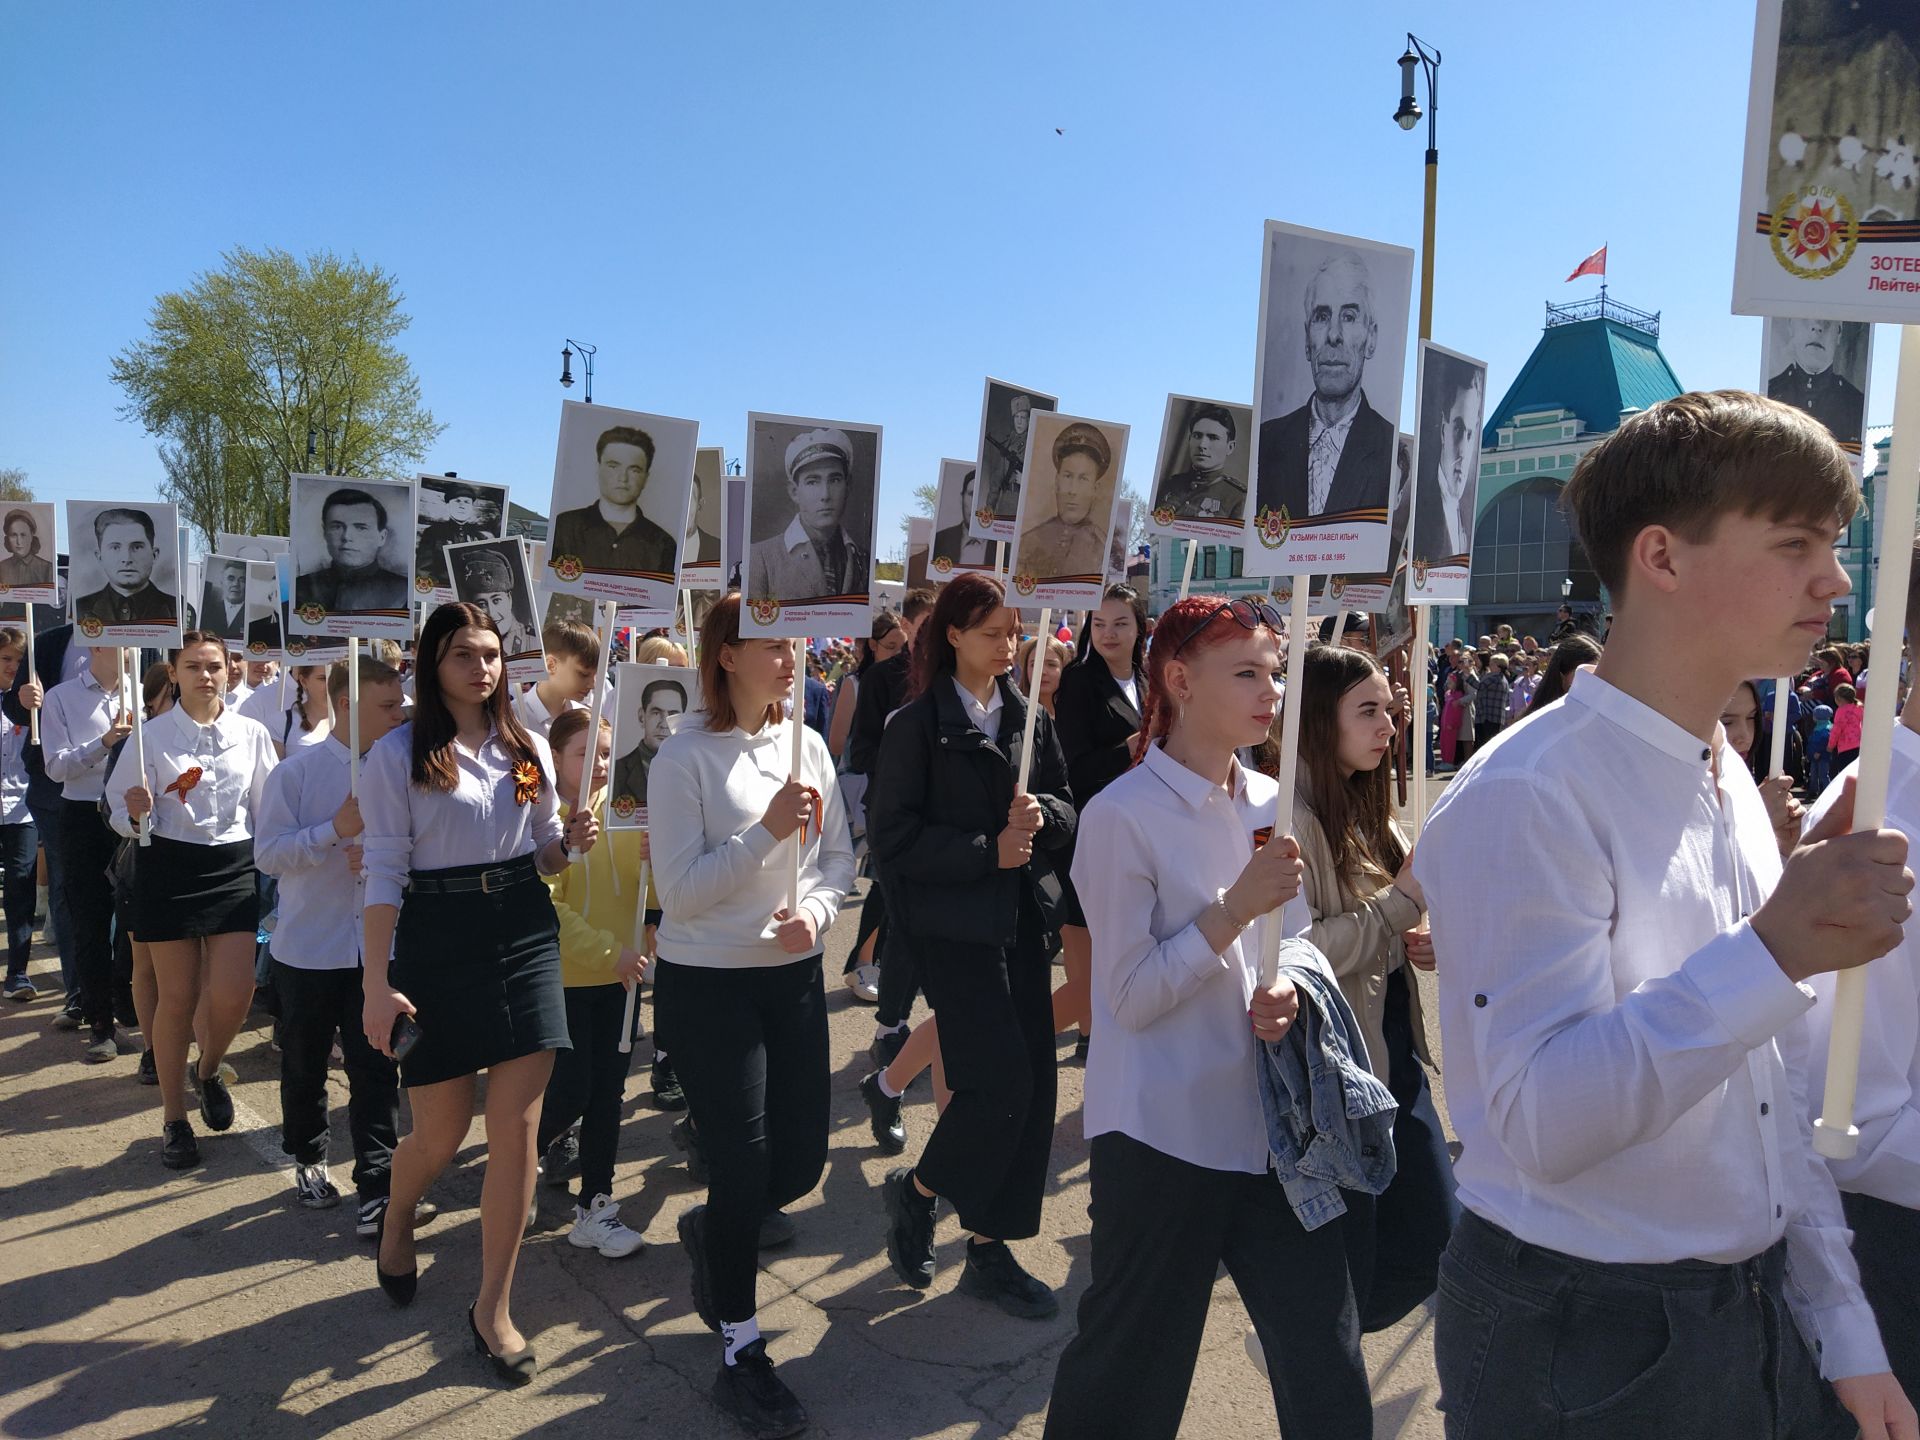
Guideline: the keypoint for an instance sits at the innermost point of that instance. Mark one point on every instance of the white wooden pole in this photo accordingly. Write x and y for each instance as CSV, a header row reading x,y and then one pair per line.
x,y
1834,1133
1417,721
608,613
33,715
136,697
353,714
639,938
797,767
1033,698
1186,570
1777,752
1289,760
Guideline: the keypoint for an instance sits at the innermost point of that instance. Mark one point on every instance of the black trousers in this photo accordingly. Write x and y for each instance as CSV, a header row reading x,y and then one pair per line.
x,y
1886,1242
750,1048
19,844
88,843
988,1153
1397,1258
588,1083
1162,1228
313,1005
899,973
1532,1344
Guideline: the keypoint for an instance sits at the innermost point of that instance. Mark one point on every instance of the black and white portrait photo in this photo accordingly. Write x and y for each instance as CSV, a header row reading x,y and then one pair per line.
x,y
27,553
298,649
1328,373
919,551
1821,366
648,704
700,551
452,512
1200,480
353,547
811,500
1446,466
265,640
126,572
1067,510
493,574
955,547
1006,416
223,596
622,484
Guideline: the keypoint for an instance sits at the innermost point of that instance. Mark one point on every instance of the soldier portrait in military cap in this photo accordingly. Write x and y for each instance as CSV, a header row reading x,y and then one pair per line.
x,y
1065,525
1200,480
453,512
812,487
494,575
1820,366
1006,418
622,483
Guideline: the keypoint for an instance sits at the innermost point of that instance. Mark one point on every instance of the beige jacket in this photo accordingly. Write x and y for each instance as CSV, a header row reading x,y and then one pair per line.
x,y
1361,940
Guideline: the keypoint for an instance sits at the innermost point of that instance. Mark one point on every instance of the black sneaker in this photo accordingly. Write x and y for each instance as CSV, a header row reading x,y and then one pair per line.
x,y
1080,1047
667,1094
313,1187
756,1398
178,1149
885,1047
909,1228
883,1112
367,1226
685,1139
562,1161
216,1105
992,1273
69,1017
148,1075
101,1047
693,1236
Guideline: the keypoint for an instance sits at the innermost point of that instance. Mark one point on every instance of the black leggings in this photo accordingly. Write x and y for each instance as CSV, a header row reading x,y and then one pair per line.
x,y
588,1083
750,1048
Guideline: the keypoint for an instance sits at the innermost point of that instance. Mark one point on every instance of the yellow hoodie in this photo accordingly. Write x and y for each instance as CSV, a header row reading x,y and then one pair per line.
x,y
596,921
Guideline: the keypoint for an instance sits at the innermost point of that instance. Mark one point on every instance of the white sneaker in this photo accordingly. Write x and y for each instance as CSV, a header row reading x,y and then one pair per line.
x,y
600,1229
864,982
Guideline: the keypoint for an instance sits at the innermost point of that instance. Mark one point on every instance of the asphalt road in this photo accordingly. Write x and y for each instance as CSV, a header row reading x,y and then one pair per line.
x,y
134,1300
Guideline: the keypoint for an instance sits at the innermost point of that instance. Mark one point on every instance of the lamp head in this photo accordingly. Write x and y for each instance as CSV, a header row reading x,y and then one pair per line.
x,y
1408,115
566,367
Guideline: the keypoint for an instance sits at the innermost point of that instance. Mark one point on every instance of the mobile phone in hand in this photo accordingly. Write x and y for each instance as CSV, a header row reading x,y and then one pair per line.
x,y
406,1035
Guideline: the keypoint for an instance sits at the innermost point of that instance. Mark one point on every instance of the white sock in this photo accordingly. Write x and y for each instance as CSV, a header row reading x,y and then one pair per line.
x,y
880,1030
740,1335
886,1089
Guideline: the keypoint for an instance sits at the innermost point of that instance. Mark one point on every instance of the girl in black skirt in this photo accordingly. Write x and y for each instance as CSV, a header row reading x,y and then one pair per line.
x,y
194,898
461,821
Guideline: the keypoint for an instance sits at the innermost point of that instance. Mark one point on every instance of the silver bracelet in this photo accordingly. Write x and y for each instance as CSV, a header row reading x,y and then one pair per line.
x,y
1226,910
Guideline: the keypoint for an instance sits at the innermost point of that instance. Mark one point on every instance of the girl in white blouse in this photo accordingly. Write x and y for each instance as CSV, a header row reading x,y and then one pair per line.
x,y
461,821
195,902
1178,893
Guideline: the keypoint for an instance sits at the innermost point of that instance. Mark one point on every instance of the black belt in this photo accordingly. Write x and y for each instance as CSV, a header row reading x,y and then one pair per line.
x,y
484,882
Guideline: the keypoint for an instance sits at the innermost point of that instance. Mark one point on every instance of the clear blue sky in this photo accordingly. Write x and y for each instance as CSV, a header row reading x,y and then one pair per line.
x,y
852,211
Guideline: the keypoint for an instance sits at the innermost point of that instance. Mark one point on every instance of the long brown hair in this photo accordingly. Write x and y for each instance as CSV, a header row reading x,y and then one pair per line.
x,y
1355,811
1186,628
722,627
964,602
1568,656
434,727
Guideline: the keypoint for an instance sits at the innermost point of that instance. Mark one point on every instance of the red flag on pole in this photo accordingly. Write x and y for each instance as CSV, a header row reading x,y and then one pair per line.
x,y
1594,264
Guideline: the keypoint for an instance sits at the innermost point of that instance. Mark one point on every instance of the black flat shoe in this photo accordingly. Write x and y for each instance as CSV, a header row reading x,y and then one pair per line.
x,y
400,1288
517,1368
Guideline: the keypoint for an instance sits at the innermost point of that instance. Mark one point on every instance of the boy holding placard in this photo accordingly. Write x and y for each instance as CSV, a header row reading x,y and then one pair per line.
x,y
1626,1053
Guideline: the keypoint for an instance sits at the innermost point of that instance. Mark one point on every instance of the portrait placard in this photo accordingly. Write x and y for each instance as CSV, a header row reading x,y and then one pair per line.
x,y
1328,369
1452,401
1830,191
1065,526
1006,412
1200,479
264,636
125,580
494,575
1117,545
223,596
298,649
648,703
189,587
353,547
812,488
919,548
956,548
250,547
622,480
453,511
733,532
28,551
700,553
1821,367
1369,592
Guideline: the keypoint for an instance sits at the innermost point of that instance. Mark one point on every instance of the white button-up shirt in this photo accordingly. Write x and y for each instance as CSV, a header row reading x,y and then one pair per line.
x,y
74,719
533,713
13,774
477,823
984,718
1887,1105
234,758
1172,1061
319,925
1625,1062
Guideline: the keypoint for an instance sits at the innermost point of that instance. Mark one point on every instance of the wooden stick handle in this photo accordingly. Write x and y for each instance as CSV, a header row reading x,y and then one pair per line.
x,y
1777,752
608,612
1289,762
1033,699
639,937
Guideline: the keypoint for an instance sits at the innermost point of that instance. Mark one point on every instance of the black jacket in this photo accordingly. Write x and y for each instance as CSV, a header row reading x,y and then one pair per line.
x,y
934,827
882,690
49,659
1095,720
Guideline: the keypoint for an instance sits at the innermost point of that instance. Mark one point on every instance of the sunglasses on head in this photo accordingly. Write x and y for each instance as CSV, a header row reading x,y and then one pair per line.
x,y
1248,614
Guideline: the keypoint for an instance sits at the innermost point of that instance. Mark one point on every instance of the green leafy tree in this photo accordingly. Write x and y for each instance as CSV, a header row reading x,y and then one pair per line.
x,y
270,365
926,501
13,485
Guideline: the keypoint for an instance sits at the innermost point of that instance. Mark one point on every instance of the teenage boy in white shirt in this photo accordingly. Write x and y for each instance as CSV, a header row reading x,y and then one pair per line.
x,y
573,660
1649,1245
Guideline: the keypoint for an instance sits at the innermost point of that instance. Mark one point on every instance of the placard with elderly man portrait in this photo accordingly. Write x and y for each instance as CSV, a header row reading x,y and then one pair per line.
x,y
27,560
1065,525
353,545
811,498
1327,377
126,570
622,481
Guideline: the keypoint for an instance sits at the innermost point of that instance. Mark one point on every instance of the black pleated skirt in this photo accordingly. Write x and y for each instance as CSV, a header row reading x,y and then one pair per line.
x,y
183,891
483,973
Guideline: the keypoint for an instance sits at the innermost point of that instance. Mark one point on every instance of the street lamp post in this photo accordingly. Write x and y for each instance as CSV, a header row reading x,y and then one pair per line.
x,y
1419,56
587,352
